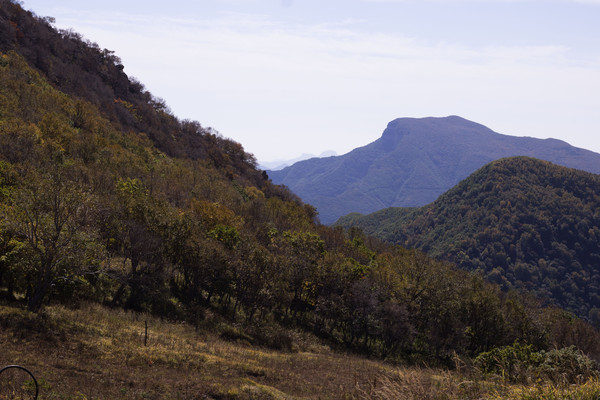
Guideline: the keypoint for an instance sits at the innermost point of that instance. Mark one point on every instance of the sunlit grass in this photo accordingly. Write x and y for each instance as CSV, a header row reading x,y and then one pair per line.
x,y
589,390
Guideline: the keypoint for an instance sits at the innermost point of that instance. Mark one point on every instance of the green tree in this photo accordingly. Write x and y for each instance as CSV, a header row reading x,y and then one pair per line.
x,y
51,216
298,255
138,230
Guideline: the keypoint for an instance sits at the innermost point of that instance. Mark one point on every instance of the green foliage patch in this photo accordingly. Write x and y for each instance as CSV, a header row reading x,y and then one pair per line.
x,y
521,363
523,223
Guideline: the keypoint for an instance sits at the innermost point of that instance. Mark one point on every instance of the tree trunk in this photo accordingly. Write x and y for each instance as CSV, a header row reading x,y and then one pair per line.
x,y
34,303
39,291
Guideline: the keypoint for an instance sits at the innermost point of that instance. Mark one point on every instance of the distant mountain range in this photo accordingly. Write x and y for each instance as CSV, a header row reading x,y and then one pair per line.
x,y
523,222
281,164
414,162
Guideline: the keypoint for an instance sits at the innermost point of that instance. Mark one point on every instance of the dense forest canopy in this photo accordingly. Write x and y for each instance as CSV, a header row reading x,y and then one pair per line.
x,y
107,197
522,222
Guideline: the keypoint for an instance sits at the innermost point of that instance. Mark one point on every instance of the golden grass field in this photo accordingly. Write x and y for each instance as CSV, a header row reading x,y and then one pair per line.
x,y
94,352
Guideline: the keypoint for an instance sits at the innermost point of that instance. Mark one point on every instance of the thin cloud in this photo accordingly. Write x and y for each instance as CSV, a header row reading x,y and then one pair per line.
x,y
253,77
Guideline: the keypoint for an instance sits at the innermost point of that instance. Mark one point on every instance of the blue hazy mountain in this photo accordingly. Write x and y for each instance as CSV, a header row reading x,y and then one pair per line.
x,y
412,163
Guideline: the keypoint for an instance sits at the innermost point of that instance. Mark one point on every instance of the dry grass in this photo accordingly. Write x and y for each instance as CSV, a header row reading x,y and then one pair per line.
x,y
98,353
589,390
426,384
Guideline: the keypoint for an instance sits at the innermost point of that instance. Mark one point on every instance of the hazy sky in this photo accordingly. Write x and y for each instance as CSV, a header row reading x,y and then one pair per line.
x,y
285,77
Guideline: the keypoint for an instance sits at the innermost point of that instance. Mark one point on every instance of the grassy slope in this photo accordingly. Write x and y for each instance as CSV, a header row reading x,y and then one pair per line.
x,y
95,352
98,353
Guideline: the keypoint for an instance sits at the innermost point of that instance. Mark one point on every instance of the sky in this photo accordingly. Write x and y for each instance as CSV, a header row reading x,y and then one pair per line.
x,y
286,77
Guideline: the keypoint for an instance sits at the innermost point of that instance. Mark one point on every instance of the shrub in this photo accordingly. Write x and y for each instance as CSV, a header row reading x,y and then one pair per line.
x,y
520,363
567,365
273,336
233,334
515,363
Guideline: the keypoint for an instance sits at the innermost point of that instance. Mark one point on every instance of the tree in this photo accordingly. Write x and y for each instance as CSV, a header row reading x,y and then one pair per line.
x,y
51,217
298,256
137,229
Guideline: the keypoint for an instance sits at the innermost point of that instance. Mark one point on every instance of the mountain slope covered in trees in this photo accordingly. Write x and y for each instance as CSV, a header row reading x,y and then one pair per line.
x,y
414,162
523,222
106,197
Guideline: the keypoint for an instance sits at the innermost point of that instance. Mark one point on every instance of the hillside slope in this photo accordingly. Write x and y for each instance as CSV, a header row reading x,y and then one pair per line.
x,y
414,162
83,70
523,222
97,209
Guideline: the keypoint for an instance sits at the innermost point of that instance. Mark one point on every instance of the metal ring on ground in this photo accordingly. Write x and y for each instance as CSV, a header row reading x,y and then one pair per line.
x,y
28,372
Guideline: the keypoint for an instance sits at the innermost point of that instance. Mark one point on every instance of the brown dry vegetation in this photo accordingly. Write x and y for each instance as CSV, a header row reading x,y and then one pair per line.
x,y
94,352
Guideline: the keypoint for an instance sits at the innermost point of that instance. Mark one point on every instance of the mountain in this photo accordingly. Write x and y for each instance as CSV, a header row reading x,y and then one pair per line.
x,y
523,222
414,162
281,164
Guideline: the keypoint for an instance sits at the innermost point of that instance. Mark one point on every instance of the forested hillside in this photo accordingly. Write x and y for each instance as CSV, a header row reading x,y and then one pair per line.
x,y
108,198
522,222
415,161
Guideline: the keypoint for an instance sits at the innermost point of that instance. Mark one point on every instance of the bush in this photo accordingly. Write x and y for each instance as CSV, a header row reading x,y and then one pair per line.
x,y
274,336
567,365
515,363
520,363
233,334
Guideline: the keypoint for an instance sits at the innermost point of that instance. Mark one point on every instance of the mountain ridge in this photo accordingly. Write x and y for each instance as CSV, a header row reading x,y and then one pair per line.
x,y
277,165
412,163
524,223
